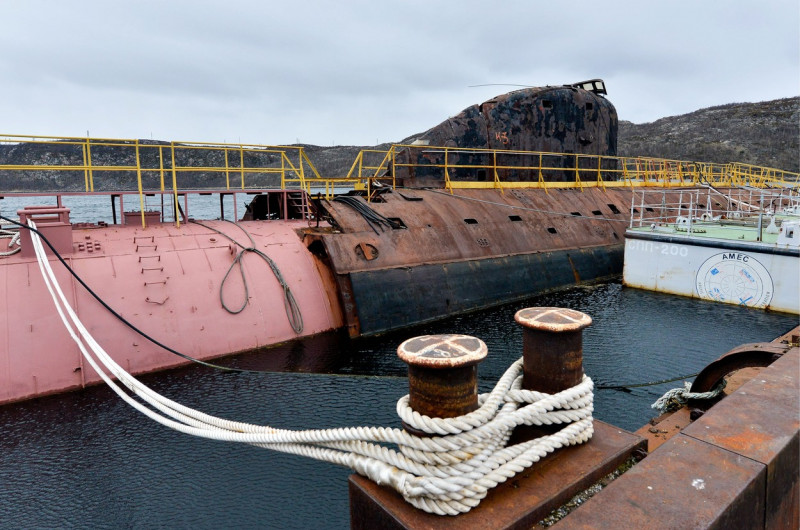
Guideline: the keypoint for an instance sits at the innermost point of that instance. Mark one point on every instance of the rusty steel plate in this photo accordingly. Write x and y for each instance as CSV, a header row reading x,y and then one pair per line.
x,y
761,418
684,484
757,354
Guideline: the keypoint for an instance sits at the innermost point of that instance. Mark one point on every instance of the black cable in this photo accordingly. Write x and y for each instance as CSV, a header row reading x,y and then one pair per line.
x,y
373,218
120,317
289,302
639,385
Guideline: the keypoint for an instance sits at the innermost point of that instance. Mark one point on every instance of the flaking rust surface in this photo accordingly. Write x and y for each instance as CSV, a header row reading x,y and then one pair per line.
x,y
684,484
760,418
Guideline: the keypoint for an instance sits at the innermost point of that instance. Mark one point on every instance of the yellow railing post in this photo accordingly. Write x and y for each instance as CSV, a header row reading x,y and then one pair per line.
x,y
227,171
599,173
302,174
394,167
494,169
447,183
626,173
161,167
541,177
310,164
356,164
283,170
139,184
577,172
89,163
85,169
175,186
241,163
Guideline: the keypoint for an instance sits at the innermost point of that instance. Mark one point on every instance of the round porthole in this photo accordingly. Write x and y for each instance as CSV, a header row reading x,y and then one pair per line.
x,y
366,251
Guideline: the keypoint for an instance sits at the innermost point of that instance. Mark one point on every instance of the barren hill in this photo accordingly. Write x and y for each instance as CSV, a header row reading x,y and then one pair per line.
x,y
764,134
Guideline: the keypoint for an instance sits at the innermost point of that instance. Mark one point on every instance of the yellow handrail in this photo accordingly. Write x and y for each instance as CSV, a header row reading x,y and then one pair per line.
x,y
454,167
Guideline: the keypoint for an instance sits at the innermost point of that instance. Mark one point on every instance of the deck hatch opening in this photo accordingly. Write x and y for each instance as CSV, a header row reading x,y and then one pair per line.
x,y
552,230
597,212
515,218
471,221
576,214
318,249
613,208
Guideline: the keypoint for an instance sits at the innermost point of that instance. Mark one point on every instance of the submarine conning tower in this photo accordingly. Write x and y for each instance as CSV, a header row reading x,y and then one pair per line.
x,y
569,119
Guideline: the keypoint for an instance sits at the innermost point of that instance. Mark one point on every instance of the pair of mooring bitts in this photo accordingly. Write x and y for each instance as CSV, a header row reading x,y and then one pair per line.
x,y
443,371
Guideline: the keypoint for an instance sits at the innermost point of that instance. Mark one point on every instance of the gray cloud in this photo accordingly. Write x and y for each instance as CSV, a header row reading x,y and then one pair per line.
x,y
357,72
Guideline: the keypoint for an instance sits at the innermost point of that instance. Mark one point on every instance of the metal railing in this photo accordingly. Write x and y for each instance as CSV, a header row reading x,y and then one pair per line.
x,y
688,207
115,165
141,166
462,168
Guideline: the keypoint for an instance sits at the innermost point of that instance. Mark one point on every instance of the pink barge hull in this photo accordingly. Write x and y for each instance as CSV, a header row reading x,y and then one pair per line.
x,y
166,281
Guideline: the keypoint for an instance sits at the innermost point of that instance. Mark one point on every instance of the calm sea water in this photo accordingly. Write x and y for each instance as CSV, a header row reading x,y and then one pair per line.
x,y
87,460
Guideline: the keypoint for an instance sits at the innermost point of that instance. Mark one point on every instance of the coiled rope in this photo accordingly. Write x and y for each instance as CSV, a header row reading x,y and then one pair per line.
x,y
289,302
446,474
14,236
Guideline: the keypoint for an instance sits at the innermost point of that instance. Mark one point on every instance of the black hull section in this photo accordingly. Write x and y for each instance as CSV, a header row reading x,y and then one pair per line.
x,y
393,298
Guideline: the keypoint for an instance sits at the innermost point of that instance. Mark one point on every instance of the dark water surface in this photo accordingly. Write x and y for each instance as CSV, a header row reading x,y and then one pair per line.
x,y
87,460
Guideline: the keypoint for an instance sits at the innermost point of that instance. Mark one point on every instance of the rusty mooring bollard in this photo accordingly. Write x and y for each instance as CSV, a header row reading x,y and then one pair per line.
x,y
442,374
552,347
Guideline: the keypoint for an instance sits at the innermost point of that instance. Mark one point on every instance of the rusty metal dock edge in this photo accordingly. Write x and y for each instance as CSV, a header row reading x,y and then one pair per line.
x,y
735,467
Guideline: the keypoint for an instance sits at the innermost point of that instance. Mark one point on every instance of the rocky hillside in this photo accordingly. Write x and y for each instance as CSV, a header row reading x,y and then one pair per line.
x,y
764,134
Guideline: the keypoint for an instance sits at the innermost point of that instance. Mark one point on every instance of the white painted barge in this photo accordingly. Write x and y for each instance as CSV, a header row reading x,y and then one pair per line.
x,y
741,247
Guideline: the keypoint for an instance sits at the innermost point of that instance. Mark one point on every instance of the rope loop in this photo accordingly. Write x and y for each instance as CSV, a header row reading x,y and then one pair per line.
x,y
14,237
293,313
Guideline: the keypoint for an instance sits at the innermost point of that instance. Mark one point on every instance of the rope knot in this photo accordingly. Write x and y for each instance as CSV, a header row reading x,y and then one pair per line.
x,y
678,397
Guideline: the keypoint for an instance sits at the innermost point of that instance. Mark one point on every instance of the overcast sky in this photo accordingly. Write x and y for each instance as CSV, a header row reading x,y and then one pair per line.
x,y
359,73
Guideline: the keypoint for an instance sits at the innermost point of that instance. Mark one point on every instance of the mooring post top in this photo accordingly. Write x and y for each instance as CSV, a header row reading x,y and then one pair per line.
x,y
442,351
553,319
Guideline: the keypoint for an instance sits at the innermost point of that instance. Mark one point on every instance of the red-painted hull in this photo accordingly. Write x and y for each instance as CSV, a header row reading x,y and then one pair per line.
x,y
165,281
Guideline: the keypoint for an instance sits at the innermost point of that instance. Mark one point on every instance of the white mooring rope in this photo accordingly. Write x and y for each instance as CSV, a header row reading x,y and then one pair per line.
x,y
446,474
14,236
678,397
